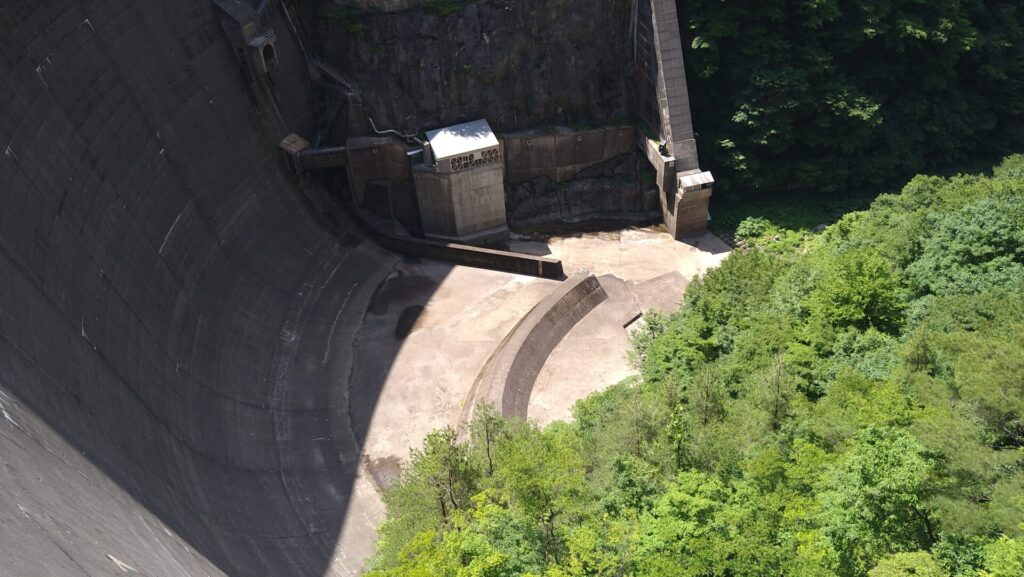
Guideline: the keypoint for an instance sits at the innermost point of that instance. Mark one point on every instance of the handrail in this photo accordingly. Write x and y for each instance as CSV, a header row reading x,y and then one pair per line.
x,y
407,137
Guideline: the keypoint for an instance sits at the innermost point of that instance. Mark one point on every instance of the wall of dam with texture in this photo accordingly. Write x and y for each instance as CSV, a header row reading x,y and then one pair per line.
x,y
165,295
516,63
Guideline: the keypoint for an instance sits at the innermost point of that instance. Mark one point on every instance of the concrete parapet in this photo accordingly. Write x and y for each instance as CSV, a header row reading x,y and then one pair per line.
x,y
464,254
507,377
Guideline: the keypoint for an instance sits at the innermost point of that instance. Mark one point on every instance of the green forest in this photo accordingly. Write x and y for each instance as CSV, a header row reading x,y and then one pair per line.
x,y
829,96
842,404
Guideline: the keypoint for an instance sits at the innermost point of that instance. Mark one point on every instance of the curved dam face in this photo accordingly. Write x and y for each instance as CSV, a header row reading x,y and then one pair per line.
x,y
165,300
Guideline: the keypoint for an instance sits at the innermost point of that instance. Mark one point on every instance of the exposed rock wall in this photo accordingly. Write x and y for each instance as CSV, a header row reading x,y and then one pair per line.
x,y
519,63
611,188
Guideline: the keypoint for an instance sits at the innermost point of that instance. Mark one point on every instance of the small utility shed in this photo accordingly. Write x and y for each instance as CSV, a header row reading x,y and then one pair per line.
x,y
461,184
693,192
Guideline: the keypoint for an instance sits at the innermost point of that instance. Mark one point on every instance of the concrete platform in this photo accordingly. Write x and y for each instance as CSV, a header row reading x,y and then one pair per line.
x,y
425,335
641,269
430,327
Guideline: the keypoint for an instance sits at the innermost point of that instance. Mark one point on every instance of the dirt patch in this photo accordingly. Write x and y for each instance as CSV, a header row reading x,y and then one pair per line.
x,y
384,471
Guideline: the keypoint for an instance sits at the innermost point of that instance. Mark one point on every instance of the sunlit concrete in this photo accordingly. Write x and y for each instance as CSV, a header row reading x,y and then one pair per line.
x,y
428,331
642,269
431,326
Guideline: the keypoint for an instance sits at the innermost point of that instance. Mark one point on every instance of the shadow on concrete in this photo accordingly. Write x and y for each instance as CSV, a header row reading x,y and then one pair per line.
x,y
533,247
590,225
707,242
177,332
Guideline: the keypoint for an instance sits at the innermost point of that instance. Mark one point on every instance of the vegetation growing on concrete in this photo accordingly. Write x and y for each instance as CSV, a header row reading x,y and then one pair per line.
x,y
350,15
848,404
830,96
446,7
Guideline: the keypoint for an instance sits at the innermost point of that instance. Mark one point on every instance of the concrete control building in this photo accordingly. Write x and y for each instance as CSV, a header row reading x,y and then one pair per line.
x,y
460,184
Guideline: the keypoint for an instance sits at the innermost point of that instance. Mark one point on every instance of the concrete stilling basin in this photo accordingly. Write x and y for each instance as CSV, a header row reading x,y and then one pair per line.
x,y
165,300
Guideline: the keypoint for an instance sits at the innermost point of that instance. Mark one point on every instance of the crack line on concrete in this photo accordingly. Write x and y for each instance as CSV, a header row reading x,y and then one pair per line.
x,y
173,224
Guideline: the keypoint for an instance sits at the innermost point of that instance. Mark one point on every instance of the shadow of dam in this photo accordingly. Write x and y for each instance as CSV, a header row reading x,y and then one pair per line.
x,y
176,328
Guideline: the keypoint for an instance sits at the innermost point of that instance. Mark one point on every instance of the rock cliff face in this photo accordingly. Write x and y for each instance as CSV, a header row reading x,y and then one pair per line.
x,y
608,189
519,63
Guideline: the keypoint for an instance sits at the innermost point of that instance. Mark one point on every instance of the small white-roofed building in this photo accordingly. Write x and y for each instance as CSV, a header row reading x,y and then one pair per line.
x,y
461,184
693,193
695,180
463,146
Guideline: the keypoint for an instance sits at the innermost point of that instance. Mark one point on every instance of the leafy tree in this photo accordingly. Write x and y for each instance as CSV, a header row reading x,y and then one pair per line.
x,y
875,499
597,549
978,247
1004,558
486,430
542,473
635,486
859,289
437,483
828,96
652,324
916,564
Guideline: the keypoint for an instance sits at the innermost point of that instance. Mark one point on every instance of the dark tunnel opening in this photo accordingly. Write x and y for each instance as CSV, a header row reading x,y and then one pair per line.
x,y
269,56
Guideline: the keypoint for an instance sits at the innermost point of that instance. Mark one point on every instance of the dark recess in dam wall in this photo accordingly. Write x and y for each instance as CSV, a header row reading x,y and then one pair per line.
x,y
165,297
517,63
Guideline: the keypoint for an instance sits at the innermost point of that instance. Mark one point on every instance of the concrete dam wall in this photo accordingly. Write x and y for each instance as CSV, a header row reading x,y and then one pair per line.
x,y
164,298
179,320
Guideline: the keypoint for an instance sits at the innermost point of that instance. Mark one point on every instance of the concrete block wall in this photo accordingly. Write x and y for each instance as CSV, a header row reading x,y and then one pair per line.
x,y
563,154
645,62
478,199
434,196
673,97
382,161
691,213
664,74
460,204
374,158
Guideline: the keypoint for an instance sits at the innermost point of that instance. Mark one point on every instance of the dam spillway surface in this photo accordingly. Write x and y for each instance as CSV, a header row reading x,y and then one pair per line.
x,y
165,297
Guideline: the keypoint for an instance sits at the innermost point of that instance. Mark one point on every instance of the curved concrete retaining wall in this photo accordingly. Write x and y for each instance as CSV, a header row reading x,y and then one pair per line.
x,y
507,378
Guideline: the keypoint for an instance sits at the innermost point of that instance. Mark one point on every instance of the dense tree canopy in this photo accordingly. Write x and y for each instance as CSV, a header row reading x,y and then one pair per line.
x,y
831,95
849,405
